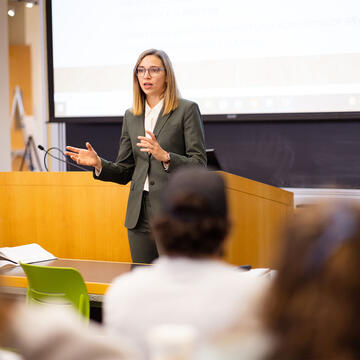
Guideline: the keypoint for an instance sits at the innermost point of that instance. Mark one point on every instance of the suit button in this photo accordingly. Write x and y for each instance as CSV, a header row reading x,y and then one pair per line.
x,y
152,182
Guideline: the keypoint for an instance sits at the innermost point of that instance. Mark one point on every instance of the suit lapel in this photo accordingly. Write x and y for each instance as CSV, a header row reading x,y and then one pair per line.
x,y
161,121
138,129
139,125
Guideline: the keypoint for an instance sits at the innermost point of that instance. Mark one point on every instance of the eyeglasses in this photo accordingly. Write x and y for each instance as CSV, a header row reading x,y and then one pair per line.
x,y
152,71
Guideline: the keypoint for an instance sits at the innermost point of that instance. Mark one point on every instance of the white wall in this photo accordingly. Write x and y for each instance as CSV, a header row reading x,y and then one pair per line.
x,y
5,152
308,196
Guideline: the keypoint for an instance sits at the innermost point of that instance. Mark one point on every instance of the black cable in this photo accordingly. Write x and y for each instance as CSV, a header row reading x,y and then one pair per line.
x,y
47,152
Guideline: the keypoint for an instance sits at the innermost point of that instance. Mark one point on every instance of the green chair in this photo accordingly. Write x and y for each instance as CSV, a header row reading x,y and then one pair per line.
x,y
59,285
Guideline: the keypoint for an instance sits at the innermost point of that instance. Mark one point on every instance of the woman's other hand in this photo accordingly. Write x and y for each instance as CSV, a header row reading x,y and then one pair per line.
x,y
87,157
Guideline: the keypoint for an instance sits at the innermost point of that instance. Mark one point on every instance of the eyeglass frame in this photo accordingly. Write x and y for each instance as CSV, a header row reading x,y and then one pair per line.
x,y
147,70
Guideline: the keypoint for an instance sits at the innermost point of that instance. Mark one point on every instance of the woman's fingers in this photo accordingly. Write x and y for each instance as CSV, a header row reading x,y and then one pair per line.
x,y
73,149
145,143
146,146
71,154
150,145
87,157
143,138
89,147
151,135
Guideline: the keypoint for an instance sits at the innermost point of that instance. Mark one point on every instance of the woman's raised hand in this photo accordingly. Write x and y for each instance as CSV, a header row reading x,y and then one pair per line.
x,y
151,146
87,157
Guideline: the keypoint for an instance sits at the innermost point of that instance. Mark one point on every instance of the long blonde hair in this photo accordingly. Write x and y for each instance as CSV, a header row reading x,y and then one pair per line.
x,y
171,92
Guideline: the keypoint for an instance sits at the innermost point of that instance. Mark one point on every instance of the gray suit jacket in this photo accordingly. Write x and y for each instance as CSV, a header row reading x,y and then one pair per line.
x,y
180,133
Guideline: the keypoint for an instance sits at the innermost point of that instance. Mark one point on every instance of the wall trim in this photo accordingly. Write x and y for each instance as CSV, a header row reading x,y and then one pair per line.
x,y
306,196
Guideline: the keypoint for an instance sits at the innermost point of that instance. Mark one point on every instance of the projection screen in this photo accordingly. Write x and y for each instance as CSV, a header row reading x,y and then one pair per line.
x,y
238,59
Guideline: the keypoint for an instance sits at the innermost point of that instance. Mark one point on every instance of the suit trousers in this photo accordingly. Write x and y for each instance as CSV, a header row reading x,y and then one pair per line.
x,y
142,244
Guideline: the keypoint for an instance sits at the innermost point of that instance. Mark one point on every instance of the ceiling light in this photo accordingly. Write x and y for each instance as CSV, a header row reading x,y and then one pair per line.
x,y
11,12
29,5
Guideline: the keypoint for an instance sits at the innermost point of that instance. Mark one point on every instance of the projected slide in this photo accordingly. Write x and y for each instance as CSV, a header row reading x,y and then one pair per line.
x,y
230,56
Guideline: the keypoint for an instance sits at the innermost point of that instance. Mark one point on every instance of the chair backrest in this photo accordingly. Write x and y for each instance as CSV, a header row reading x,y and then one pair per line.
x,y
60,285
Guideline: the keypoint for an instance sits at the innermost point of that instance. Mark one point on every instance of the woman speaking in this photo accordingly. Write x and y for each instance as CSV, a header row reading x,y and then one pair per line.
x,y
160,133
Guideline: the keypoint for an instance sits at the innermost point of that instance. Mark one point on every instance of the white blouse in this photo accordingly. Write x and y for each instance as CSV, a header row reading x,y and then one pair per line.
x,y
151,116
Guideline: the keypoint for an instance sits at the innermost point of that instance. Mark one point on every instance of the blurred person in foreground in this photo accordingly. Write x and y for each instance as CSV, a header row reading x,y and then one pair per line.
x,y
310,311
50,332
189,283
313,307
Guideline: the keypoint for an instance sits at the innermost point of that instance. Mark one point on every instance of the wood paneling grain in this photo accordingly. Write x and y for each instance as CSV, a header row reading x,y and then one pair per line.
x,y
76,217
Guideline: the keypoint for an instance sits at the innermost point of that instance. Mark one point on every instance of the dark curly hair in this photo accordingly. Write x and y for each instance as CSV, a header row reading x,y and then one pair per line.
x,y
196,234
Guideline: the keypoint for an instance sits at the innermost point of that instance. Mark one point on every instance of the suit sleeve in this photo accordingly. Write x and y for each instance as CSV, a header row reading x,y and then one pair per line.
x,y
195,153
122,169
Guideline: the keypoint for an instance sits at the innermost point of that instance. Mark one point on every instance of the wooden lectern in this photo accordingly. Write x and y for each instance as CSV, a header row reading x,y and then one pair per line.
x,y
74,216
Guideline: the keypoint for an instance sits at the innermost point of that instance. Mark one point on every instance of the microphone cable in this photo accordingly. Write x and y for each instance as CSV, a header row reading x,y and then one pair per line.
x,y
48,152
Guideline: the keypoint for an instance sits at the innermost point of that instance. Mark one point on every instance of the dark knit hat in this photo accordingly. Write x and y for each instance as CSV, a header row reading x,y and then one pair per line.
x,y
196,183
